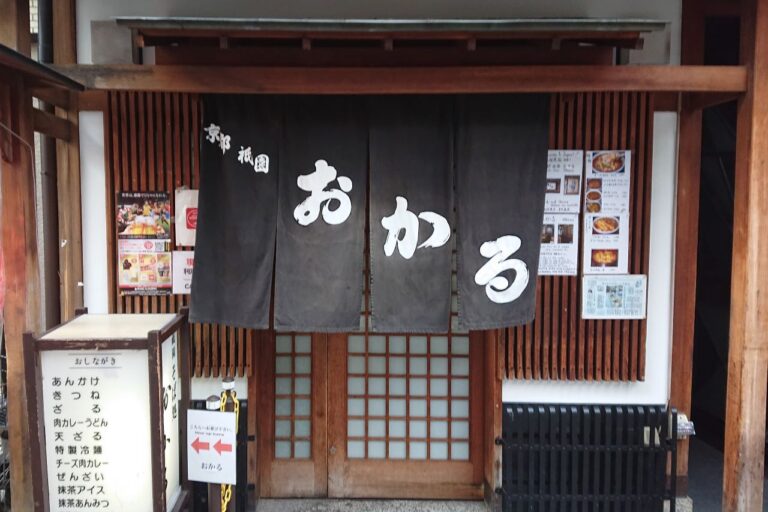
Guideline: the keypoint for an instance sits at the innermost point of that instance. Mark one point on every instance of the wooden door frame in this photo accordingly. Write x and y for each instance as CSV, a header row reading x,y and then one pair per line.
x,y
363,478
486,356
291,477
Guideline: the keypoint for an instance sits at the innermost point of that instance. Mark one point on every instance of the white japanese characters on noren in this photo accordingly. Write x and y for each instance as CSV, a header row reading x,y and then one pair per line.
x,y
408,222
215,135
315,183
498,288
260,162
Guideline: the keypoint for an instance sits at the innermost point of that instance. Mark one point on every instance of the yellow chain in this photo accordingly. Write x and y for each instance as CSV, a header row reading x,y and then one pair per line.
x,y
226,489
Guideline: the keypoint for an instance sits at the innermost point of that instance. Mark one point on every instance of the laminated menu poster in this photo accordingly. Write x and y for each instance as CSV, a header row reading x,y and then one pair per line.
x,y
143,243
144,267
559,245
183,262
614,297
564,174
606,204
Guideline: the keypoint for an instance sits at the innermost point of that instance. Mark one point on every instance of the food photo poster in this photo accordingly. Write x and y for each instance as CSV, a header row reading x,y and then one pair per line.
x,y
143,243
607,183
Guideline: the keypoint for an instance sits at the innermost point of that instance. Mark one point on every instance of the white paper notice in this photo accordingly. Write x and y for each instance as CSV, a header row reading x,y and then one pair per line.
x,y
564,171
183,262
211,455
606,203
614,297
559,245
186,217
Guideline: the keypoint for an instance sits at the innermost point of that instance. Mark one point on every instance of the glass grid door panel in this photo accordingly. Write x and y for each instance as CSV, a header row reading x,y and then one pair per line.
x,y
293,396
408,397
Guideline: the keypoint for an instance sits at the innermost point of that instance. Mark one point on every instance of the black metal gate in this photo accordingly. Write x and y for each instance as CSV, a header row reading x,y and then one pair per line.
x,y
588,457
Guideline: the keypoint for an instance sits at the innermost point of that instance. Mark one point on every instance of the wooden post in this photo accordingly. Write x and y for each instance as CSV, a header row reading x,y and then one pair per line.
x,y
748,346
22,294
19,246
687,233
68,171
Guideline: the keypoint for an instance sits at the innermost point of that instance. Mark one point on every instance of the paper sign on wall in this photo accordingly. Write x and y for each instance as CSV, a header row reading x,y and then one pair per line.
x,y
614,297
97,429
186,217
559,245
606,203
183,261
211,447
143,243
564,170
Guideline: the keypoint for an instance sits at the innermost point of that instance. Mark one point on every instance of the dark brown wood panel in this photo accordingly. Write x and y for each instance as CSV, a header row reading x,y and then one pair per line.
x,y
559,345
152,145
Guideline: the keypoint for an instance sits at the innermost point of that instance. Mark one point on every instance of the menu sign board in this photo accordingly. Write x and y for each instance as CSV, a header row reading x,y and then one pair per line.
x,y
606,203
171,397
559,245
614,297
563,193
97,430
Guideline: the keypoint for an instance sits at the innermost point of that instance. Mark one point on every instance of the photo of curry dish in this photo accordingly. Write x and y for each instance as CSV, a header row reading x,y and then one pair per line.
x,y
605,258
605,225
608,162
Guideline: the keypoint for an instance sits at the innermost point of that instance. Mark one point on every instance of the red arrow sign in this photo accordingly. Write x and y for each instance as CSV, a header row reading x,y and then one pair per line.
x,y
221,447
199,445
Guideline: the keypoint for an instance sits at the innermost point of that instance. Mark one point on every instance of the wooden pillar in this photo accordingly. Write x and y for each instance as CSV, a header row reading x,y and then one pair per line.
x,y
22,291
748,346
68,172
687,233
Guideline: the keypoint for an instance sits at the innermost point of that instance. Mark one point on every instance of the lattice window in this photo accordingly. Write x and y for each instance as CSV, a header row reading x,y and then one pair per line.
x,y
293,396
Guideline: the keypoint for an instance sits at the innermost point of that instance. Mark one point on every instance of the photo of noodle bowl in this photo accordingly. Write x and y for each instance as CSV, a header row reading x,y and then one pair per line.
x,y
605,257
605,225
608,162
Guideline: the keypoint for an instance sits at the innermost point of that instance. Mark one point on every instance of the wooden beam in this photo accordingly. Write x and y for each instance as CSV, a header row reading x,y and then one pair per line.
x,y
92,100
700,101
14,26
70,221
469,79
748,343
51,95
22,288
48,124
687,233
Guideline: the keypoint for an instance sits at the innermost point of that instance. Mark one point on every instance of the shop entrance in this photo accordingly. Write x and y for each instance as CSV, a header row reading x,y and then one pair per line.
x,y
371,415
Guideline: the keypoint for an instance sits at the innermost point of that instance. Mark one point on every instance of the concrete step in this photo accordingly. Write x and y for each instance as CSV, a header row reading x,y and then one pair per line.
x,y
342,505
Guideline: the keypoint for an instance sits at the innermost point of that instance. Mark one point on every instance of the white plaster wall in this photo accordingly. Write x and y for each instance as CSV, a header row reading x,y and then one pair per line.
x,y
659,48
655,388
94,207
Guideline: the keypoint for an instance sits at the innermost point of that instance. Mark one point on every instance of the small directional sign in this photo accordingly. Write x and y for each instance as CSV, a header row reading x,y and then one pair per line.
x,y
211,449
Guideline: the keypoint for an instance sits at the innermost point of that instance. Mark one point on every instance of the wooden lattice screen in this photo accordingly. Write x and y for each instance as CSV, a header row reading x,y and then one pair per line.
x,y
558,344
152,145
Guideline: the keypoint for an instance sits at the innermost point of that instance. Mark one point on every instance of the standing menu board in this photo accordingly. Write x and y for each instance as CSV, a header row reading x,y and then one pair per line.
x,y
97,430
107,397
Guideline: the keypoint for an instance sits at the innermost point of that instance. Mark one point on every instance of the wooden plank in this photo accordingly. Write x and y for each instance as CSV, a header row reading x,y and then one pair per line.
x,y
474,79
14,26
70,218
64,32
22,311
48,124
748,339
